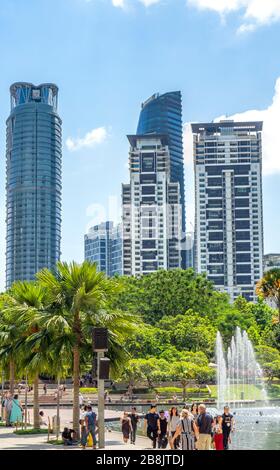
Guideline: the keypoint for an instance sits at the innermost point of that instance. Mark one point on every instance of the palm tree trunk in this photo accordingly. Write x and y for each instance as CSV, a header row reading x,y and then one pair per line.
x,y
36,416
76,379
12,376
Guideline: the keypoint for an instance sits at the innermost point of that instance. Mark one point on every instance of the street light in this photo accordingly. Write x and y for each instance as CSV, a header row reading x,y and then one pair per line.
x,y
100,346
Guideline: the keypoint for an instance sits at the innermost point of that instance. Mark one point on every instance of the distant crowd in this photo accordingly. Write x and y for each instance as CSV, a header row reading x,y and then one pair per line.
x,y
192,429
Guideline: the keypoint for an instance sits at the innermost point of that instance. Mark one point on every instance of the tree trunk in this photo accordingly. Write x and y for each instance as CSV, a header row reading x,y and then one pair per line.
x,y
12,376
184,391
36,416
76,379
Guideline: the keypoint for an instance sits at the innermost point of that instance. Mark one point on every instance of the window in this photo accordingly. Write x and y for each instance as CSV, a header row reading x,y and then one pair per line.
x,y
242,214
148,162
242,224
242,235
216,236
243,246
243,268
243,280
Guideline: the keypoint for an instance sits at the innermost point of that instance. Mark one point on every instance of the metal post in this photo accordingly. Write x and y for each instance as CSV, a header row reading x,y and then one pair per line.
x,y
2,394
58,409
101,423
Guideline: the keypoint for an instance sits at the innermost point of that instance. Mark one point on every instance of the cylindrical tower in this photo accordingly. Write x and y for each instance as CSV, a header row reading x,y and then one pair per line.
x,y
33,181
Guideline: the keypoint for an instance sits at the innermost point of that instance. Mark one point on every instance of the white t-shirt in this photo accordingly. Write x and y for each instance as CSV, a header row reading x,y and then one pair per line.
x,y
173,423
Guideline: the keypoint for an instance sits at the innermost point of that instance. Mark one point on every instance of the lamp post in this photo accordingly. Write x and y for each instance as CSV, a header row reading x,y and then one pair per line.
x,y
100,346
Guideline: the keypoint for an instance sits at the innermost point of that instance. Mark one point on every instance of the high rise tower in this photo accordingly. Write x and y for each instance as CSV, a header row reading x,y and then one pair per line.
x,y
33,181
229,214
151,208
162,114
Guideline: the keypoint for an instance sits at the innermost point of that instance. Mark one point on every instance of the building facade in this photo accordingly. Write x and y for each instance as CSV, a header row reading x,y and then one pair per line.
x,y
229,214
151,208
189,250
103,245
162,114
271,261
33,181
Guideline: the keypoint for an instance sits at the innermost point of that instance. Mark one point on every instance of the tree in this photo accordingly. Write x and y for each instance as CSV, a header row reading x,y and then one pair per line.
x,y
78,300
190,332
169,293
184,372
269,288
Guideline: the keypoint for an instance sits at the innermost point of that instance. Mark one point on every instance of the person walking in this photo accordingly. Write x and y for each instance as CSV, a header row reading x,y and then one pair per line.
x,y
82,423
134,417
151,425
45,389
162,430
188,431
8,408
81,399
126,427
218,433
227,426
16,411
90,424
204,423
173,421
194,410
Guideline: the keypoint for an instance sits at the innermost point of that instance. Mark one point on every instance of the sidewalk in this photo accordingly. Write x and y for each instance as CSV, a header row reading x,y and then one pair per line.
x,y
11,441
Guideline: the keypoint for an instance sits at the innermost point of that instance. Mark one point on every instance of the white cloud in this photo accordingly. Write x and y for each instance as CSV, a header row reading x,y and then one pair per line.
x,y
255,12
123,3
118,3
92,138
270,117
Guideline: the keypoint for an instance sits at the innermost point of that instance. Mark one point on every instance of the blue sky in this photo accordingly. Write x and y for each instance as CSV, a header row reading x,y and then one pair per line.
x,y
222,54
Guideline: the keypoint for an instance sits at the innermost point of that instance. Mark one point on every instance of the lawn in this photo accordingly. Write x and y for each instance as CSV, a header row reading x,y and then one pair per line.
x,y
251,392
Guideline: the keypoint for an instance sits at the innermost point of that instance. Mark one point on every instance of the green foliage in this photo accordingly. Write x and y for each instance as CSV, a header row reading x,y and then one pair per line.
x,y
23,432
169,293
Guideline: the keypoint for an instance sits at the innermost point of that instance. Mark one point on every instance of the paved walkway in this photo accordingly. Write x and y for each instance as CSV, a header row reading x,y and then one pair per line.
x,y
11,441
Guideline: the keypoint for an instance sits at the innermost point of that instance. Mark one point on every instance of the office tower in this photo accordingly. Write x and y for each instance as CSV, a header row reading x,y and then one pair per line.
x,y
103,245
271,261
151,208
33,181
228,191
162,114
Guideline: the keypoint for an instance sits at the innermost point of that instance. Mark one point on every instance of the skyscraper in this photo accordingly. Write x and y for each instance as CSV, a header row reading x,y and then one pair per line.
x,y
103,245
229,214
162,114
33,181
151,208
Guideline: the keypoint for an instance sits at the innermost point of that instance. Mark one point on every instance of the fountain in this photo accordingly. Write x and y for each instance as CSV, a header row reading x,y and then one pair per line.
x,y
239,376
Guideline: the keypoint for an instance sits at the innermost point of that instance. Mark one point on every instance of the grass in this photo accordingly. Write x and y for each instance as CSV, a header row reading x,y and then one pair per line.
x,y
56,442
251,392
89,390
22,432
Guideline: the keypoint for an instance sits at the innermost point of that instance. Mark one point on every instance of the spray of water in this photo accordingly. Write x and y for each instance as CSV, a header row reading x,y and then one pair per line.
x,y
239,376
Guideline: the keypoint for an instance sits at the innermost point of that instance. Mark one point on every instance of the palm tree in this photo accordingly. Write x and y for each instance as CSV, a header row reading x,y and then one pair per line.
x,y
9,334
269,287
78,299
28,301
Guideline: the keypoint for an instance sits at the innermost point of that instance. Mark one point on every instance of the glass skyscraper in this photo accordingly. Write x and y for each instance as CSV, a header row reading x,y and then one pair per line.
x,y
33,181
103,246
162,114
